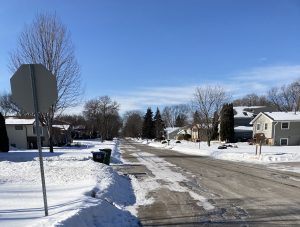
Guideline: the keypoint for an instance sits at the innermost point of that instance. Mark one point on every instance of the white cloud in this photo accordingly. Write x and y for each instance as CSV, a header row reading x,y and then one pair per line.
x,y
256,80
270,74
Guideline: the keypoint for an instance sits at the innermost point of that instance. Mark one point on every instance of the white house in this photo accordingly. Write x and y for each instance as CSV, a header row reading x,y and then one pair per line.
x,y
243,115
279,128
22,133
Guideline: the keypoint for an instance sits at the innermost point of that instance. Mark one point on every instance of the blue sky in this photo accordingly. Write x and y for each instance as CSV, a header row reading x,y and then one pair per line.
x,y
148,53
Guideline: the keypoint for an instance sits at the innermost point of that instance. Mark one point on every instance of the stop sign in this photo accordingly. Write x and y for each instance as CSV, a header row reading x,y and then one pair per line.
x,y
22,88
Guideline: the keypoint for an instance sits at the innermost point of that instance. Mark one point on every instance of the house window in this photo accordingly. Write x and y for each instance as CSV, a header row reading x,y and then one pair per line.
x,y
266,126
258,127
18,127
284,141
285,125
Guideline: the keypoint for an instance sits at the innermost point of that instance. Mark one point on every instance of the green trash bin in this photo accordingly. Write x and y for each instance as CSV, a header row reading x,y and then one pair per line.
x,y
107,154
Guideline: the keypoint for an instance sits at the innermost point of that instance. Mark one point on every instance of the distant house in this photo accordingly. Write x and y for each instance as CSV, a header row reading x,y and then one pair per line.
x,y
279,128
62,134
199,133
243,115
22,133
171,132
184,133
80,132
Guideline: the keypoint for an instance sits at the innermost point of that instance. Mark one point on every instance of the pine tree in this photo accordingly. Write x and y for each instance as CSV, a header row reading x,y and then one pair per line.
x,y
196,118
4,143
215,132
148,131
159,125
180,120
227,123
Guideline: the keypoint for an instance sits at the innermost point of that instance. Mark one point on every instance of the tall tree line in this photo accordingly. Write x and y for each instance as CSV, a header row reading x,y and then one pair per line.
x,y
153,126
103,117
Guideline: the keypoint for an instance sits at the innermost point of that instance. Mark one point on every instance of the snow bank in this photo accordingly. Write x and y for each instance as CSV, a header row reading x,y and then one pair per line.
x,y
243,153
80,191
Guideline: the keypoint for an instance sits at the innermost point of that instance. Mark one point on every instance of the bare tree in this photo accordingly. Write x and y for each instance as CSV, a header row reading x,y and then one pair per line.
x,y
285,98
47,41
102,113
7,106
207,101
252,100
171,113
133,123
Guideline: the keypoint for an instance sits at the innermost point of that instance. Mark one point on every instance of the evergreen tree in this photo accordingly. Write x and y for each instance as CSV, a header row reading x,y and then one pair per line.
x,y
148,131
227,123
215,132
4,143
180,120
159,125
196,118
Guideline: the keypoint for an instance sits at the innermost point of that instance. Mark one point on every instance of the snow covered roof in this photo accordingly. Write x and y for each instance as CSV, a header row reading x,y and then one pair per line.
x,y
17,121
170,129
279,116
283,116
243,128
245,111
63,127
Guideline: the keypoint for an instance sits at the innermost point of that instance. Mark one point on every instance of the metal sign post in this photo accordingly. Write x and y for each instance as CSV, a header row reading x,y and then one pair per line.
x,y
38,135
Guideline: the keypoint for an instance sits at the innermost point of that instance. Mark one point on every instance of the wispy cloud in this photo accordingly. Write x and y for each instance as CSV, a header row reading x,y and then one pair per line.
x,y
270,74
257,80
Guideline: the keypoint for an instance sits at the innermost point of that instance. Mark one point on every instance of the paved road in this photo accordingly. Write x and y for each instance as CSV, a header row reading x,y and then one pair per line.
x,y
241,194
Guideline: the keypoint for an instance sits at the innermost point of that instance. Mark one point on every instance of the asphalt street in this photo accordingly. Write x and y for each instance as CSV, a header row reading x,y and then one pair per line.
x,y
241,194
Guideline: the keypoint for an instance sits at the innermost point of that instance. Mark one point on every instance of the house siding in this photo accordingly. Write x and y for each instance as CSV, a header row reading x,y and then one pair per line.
x,y
17,138
262,120
293,133
25,138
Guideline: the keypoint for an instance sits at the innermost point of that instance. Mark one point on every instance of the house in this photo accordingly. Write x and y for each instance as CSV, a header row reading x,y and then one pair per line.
x,y
243,115
279,128
199,132
22,133
61,134
184,133
171,132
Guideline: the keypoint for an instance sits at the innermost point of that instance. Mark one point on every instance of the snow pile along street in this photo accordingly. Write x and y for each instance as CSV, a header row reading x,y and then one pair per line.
x,y
241,152
80,192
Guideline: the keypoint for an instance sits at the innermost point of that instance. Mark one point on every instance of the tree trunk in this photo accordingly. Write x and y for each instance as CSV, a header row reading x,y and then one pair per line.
x,y
50,143
208,142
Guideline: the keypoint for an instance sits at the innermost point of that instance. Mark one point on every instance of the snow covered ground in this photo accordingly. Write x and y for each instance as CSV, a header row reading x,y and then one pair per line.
x,y
80,191
242,153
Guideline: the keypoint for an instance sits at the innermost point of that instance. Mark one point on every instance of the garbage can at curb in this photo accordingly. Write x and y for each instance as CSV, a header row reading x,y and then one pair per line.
x,y
107,154
98,156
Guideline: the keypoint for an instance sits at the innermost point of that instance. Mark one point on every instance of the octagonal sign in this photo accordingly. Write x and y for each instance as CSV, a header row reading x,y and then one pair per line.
x,y
23,82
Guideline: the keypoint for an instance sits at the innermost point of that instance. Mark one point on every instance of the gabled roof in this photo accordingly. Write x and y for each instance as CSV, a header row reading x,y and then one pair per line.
x,y
279,116
18,121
